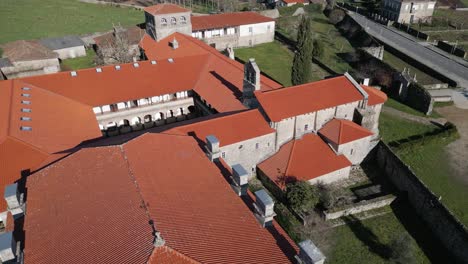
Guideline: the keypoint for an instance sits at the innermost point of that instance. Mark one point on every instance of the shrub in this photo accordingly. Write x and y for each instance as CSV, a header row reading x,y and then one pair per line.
x,y
302,196
326,197
336,16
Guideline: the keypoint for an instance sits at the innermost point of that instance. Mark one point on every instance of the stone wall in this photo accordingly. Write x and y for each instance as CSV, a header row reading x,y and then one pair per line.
x,y
72,52
30,68
444,225
355,151
249,152
359,207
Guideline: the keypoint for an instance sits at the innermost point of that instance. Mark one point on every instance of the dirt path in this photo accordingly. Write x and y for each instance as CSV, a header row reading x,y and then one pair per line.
x,y
410,117
458,150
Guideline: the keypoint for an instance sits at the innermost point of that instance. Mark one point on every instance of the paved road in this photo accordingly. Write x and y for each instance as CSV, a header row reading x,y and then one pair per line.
x,y
428,57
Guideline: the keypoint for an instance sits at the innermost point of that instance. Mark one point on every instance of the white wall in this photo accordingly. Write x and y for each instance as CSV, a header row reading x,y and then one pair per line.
x,y
260,28
332,176
72,52
355,151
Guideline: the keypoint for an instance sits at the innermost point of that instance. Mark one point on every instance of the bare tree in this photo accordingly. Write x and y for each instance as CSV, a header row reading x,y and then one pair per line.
x,y
116,49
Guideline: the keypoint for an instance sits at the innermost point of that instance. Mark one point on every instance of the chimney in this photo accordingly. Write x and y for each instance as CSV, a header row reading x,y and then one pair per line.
x,y
212,145
14,199
251,83
174,43
7,247
240,179
158,240
366,81
309,253
264,208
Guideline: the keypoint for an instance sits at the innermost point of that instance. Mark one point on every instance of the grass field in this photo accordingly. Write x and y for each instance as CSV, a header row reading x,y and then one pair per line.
x,y
275,60
368,241
430,162
333,41
394,128
32,19
404,108
397,63
80,63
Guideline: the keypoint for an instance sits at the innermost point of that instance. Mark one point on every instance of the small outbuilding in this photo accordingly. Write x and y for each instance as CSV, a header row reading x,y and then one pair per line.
x,y
28,58
66,47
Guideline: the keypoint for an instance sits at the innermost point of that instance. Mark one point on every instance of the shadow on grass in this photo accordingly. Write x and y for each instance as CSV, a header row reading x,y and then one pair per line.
x,y
367,237
414,225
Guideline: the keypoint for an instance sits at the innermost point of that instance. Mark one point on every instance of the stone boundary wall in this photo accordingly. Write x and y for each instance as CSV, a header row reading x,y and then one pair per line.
x,y
413,32
360,207
443,224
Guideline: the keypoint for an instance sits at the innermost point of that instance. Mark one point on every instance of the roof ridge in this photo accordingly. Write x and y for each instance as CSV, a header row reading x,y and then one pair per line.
x,y
301,85
10,106
340,130
290,157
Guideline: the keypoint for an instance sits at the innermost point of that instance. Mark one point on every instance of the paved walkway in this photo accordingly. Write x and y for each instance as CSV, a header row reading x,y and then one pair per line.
x,y
413,118
445,66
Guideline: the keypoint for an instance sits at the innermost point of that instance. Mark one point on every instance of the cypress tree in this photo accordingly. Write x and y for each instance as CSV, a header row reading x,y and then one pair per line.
x,y
302,64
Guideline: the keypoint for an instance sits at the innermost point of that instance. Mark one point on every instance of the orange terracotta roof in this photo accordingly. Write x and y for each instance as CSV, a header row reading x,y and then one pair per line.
x,y
228,129
27,50
302,159
194,207
375,96
341,131
221,79
227,20
128,83
167,255
161,9
58,125
306,98
133,35
86,208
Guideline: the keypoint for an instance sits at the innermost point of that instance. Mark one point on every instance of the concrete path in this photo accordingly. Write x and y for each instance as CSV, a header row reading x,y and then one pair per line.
x,y
445,66
413,118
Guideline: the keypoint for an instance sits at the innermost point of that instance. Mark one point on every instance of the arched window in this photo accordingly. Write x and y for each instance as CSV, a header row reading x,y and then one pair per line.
x,y
163,22
183,20
173,20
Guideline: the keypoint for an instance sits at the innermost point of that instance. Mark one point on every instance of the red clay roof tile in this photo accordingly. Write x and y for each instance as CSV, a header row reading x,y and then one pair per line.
x,y
302,159
194,207
161,9
228,129
306,98
341,131
375,96
86,209
227,20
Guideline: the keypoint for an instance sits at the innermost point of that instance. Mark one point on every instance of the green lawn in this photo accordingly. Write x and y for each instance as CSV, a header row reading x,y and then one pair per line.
x,y
430,162
397,63
32,19
81,62
332,39
394,128
368,241
273,59
404,108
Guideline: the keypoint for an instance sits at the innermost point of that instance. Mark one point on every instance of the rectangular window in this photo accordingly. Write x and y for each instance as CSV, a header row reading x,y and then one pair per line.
x,y
256,145
352,150
250,29
223,155
306,127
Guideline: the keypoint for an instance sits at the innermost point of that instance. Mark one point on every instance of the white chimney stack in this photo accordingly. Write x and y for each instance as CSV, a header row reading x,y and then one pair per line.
x,y
7,247
212,145
309,253
240,179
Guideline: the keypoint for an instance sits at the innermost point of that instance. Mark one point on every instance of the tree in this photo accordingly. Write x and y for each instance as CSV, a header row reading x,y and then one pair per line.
x,y
301,196
401,250
336,16
117,49
302,63
319,50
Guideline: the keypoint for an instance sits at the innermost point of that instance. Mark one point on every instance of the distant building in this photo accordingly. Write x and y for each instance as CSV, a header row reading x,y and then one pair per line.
x,y
67,47
292,2
24,58
241,29
407,11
